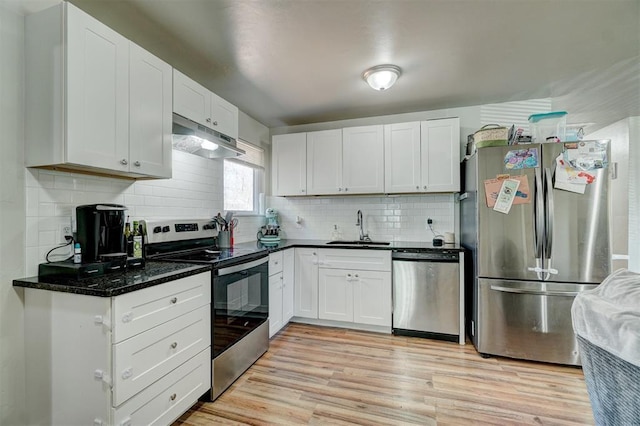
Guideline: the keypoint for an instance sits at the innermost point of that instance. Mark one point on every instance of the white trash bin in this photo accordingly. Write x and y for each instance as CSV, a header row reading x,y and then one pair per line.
x,y
606,321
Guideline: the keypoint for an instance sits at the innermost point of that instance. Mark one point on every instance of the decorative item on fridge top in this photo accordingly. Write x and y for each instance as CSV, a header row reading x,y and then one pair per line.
x,y
548,127
270,233
491,135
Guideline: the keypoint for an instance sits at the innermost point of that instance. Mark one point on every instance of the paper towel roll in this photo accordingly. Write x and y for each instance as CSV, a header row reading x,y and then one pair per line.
x,y
449,238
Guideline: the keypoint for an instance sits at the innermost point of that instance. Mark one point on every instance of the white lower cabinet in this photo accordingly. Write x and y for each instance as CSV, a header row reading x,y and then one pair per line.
x,y
362,297
306,283
143,357
345,285
281,276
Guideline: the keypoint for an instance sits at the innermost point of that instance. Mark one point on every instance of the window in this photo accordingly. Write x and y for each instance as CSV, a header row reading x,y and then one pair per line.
x,y
243,180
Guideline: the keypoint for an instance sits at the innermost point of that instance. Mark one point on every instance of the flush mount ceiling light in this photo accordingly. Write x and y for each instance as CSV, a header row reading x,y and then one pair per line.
x,y
381,77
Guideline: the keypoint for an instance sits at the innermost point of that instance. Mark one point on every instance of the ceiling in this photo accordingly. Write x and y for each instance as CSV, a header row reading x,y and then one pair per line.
x,y
289,62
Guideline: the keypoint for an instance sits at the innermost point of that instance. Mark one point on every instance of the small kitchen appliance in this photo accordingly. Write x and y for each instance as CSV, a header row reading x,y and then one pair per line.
x,y
101,232
270,233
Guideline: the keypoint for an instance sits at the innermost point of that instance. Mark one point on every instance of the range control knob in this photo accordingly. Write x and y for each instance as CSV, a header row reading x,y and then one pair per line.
x,y
157,230
166,228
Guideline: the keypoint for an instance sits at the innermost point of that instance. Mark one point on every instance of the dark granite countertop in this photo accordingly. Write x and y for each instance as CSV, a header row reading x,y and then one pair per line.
x,y
153,273
397,245
158,272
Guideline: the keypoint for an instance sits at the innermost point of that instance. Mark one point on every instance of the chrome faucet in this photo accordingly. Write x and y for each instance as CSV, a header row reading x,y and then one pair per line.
x,y
360,223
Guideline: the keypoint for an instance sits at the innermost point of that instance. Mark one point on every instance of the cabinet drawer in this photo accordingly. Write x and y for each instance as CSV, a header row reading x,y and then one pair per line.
x,y
143,359
164,401
142,310
367,260
275,262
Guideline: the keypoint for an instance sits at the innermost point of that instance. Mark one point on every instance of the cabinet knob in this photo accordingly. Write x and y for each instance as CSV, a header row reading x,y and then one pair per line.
x,y
124,162
174,345
356,275
417,186
215,123
208,120
346,189
276,262
425,187
314,253
174,300
137,164
348,275
302,190
173,397
339,189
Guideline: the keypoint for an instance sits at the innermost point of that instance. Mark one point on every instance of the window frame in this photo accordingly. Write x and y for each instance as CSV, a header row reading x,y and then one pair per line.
x,y
258,187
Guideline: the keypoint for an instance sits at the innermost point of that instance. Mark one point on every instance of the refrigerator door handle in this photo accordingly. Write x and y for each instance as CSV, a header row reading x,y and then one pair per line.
x,y
534,292
538,220
549,214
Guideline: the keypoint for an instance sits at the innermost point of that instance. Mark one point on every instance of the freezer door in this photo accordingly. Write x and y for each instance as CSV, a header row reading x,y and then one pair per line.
x,y
528,320
577,240
509,245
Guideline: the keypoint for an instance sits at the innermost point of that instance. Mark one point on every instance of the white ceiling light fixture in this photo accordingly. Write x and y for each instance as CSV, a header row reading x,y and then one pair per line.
x,y
382,77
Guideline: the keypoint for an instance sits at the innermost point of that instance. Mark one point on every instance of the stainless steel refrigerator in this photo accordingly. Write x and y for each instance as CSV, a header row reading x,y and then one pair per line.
x,y
527,265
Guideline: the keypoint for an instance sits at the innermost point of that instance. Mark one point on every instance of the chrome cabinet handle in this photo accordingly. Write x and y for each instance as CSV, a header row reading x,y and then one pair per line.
x,y
173,397
215,123
124,162
174,345
208,120
174,300
137,164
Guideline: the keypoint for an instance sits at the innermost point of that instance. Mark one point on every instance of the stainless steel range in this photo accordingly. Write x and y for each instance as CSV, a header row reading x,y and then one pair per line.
x,y
240,292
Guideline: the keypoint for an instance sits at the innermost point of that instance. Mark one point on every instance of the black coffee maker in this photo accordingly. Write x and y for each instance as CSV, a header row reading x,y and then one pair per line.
x,y
100,232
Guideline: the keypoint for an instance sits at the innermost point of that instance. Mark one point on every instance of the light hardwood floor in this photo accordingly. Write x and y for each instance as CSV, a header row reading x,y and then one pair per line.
x,y
316,375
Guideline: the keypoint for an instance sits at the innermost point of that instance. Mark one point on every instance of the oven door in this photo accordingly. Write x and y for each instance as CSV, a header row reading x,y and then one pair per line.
x,y
240,302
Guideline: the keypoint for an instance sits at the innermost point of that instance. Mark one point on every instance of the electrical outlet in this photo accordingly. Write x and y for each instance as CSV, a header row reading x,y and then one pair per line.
x,y
65,231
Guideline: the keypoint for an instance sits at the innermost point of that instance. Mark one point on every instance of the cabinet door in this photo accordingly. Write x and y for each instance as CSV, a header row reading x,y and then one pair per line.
x,y
275,303
288,278
372,298
335,294
289,164
440,155
363,160
402,157
97,102
191,100
150,103
324,162
306,283
224,116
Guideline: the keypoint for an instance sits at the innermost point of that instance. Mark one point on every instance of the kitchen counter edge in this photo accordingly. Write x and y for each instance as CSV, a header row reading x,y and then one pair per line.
x,y
153,273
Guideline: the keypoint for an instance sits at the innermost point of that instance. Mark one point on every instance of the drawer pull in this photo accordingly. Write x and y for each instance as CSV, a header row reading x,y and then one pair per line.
x,y
174,300
173,397
174,345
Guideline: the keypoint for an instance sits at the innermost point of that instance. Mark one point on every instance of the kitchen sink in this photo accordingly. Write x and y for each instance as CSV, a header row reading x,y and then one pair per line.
x,y
358,243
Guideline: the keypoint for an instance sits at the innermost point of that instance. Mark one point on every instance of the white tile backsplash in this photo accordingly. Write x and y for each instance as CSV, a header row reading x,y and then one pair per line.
x,y
388,218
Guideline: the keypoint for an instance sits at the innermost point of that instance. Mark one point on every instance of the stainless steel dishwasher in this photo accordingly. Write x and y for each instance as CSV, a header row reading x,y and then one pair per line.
x,y
426,293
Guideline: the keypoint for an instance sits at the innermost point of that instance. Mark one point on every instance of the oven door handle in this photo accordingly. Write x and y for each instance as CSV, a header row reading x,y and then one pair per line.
x,y
242,266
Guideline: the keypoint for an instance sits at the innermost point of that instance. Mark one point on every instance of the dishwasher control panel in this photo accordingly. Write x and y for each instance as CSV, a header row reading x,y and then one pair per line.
x,y
433,256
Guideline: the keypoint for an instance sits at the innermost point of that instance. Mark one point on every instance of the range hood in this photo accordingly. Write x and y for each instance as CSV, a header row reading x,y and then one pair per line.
x,y
189,136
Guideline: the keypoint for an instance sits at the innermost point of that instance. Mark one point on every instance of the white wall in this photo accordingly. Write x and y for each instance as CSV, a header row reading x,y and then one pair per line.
x,y
12,217
634,194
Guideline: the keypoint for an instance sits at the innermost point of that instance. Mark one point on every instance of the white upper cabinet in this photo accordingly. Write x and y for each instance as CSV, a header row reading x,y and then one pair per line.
x,y
95,101
347,161
324,162
289,164
81,112
402,157
363,160
150,112
422,156
440,155
195,102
